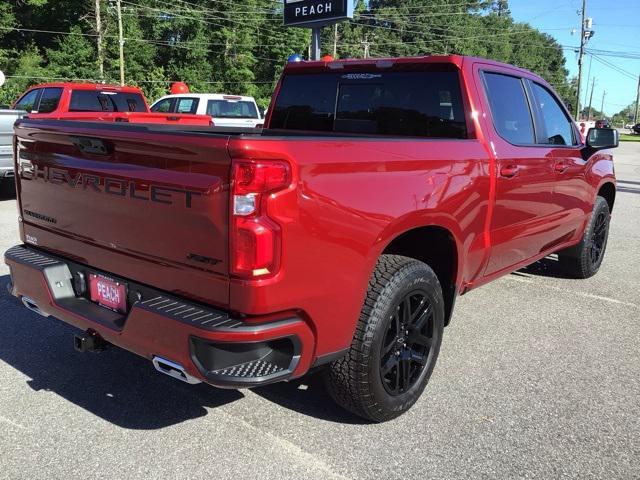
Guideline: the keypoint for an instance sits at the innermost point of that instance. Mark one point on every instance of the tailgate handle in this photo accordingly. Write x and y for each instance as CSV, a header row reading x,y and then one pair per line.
x,y
94,146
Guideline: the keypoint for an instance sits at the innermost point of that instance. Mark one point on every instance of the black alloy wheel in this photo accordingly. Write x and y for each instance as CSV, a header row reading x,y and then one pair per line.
x,y
407,344
599,238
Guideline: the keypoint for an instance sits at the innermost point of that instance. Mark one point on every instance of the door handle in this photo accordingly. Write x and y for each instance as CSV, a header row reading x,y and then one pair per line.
x,y
561,167
509,171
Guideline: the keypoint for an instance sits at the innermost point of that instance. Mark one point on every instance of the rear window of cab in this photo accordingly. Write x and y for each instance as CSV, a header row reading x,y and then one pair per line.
x,y
106,101
415,104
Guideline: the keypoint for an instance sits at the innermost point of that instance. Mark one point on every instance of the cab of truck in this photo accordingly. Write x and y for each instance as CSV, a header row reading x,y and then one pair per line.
x,y
225,110
53,99
95,101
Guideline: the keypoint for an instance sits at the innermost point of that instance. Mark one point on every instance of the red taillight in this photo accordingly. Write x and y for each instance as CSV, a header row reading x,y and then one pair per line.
x,y
256,239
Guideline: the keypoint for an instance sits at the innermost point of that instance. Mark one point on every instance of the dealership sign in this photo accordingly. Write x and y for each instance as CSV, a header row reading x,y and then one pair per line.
x,y
314,13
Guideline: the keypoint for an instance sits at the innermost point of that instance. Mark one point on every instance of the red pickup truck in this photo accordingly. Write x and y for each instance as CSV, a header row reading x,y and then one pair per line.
x,y
95,101
337,239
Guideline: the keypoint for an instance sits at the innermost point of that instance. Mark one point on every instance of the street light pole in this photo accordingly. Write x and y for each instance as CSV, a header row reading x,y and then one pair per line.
x,y
315,43
593,85
120,42
635,116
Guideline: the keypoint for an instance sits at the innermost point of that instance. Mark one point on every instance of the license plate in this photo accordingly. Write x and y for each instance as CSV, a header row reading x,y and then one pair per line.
x,y
108,293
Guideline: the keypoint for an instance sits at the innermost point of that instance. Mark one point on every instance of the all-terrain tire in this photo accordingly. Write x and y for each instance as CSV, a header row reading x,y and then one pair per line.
x,y
584,260
357,381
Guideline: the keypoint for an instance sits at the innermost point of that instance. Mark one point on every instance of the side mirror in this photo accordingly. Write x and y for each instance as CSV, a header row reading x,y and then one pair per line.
x,y
602,138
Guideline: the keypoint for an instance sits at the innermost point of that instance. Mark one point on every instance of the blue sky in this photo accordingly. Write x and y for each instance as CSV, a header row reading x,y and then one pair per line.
x,y
617,27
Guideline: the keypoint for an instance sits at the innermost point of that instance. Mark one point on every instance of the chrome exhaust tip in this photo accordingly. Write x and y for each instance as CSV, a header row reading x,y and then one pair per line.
x,y
173,369
33,306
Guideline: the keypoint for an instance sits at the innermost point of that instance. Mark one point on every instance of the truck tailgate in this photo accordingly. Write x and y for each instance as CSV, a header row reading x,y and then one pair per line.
x,y
139,196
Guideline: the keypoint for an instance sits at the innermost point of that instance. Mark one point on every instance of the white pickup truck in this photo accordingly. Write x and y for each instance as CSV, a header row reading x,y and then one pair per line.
x,y
7,119
225,110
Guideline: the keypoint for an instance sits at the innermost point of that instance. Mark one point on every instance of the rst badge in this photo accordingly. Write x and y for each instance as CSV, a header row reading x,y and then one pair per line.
x,y
313,13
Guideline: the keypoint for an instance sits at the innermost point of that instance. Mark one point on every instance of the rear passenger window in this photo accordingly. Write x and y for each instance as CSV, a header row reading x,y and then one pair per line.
x,y
416,104
187,105
49,100
557,129
509,108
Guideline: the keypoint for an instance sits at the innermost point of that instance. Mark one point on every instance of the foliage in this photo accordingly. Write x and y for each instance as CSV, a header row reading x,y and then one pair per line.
x,y
241,47
629,138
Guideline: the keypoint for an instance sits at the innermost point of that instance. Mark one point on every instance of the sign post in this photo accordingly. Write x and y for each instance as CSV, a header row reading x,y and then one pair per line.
x,y
315,14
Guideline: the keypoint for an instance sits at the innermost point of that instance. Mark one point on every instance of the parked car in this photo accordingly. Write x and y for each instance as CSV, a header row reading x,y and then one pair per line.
x,y
91,101
226,110
337,239
7,119
636,129
604,123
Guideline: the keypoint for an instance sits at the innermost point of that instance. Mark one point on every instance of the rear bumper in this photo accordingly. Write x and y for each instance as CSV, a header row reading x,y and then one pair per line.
x,y
211,345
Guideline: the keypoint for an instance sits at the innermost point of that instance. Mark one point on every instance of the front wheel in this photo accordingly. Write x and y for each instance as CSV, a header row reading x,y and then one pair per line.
x,y
396,343
584,260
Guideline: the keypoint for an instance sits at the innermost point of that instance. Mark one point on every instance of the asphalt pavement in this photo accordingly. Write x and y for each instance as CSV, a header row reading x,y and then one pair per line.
x,y
538,377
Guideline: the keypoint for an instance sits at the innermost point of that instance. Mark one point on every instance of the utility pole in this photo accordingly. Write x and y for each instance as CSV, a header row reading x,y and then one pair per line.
x,y
635,116
604,94
366,44
585,35
99,40
120,41
335,41
593,86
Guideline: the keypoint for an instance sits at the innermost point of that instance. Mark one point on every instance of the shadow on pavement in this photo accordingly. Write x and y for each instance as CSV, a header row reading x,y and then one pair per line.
x,y
121,387
308,396
115,385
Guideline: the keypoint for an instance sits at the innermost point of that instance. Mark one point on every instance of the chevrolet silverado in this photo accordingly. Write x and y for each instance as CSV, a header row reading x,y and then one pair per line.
x,y
337,239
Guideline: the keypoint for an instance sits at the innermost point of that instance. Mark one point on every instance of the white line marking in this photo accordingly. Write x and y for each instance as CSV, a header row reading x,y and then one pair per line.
x,y
11,422
582,294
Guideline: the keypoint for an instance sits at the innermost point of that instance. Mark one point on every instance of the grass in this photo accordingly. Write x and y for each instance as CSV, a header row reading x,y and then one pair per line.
x,y
625,137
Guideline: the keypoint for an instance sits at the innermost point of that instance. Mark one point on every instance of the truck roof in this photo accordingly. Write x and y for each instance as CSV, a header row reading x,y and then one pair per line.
x,y
210,96
87,86
391,62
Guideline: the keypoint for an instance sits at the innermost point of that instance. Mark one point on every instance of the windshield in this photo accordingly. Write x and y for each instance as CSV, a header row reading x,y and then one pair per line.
x,y
232,109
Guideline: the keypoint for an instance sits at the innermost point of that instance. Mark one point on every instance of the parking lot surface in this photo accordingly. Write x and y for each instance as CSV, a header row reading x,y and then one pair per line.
x,y
539,376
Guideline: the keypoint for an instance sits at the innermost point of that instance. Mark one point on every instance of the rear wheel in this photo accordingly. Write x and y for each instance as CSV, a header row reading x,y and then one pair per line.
x,y
396,343
584,260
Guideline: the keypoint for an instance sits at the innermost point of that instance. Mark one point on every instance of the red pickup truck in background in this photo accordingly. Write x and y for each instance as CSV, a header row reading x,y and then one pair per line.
x,y
337,239
95,101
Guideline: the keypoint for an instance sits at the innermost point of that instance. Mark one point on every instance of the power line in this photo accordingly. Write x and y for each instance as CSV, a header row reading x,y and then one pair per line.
x,y
70,79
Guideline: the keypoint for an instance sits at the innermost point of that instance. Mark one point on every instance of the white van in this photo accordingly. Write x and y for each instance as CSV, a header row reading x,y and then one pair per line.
x,y
226,110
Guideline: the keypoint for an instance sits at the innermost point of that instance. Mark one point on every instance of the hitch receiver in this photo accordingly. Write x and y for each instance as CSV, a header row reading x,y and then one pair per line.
x,y
90,341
